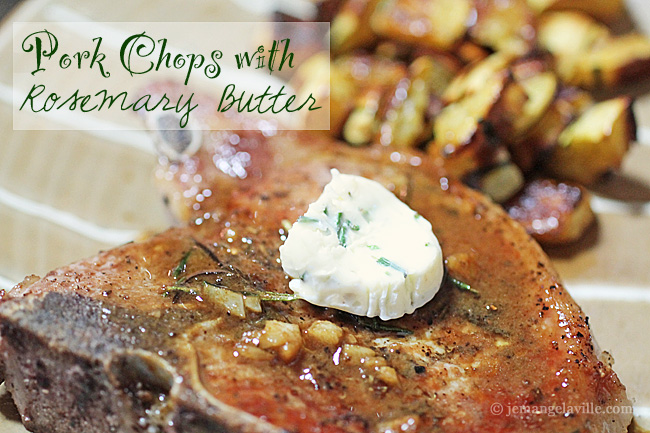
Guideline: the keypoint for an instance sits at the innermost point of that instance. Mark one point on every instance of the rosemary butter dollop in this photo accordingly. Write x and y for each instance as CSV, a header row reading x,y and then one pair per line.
x,y
359,249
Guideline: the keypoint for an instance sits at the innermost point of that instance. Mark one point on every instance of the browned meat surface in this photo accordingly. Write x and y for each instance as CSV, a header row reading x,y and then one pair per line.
x,y
111,344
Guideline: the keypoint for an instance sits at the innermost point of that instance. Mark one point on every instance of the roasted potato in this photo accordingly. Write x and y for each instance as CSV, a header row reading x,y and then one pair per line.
x,y
594,143
603,10
351,76
350,27
504,25
474,76
540,91
497,89
552,212
538,142
435,24
467,133
618,61
499,181
589,56
405,117
313,77
570,33
539,87
361,125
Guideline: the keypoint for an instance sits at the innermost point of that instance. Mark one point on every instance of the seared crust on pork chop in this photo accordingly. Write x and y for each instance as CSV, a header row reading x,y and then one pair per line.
x,y
134,338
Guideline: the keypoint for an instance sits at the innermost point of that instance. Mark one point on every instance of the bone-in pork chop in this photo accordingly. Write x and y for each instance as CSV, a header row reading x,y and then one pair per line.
x,y
189,331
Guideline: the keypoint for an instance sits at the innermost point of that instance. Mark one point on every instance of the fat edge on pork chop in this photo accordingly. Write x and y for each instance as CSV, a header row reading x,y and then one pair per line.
x,y
187,331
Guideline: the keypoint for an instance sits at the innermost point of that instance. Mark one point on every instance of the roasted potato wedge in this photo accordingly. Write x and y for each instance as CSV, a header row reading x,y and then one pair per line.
x,y
568,35
621,60
540,91
603,10
500,181
552,212
474,76
350,27
468,133
362,123
594,143
537,144
436,24
504,25
405,117
570,32
313,76
587,55
351,76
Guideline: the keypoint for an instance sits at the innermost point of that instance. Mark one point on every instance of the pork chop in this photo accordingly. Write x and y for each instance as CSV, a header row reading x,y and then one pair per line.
x,y
188,331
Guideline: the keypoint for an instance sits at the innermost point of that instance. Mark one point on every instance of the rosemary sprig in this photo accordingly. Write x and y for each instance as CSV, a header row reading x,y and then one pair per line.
x,y
262,294
272,296
374,324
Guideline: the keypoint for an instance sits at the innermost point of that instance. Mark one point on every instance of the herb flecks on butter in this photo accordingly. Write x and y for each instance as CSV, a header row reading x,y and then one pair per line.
x,y
359,249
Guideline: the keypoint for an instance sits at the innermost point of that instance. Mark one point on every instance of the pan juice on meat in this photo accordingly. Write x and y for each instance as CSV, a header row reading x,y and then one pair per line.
x,y
196,330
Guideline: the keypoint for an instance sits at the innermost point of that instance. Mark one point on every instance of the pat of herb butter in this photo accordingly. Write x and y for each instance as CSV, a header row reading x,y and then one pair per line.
x,y
359,249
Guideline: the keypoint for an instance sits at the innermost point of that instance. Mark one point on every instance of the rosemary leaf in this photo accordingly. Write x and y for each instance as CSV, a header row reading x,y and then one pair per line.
x,y
377,325
180,268
188,290
351,226
272,296
385,262
463,286
341,229
306,219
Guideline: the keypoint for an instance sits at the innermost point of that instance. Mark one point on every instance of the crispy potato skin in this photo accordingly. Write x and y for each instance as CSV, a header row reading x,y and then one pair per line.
x,y
595,142
552,212
536,147
469,133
